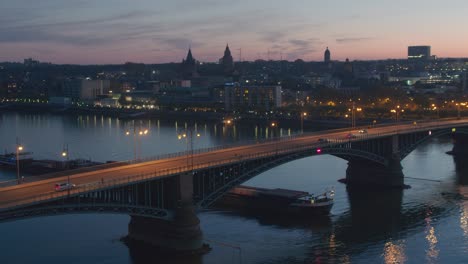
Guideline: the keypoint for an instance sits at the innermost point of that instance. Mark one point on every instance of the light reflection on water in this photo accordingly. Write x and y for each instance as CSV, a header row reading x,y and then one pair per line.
x,y
405,226
394,252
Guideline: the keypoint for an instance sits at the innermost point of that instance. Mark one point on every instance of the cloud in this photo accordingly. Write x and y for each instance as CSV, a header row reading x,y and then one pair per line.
x,y
299,42
272,36
351,40
78,33
176,43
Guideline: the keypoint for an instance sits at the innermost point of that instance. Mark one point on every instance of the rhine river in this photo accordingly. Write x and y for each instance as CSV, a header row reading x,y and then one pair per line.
x,y
425,224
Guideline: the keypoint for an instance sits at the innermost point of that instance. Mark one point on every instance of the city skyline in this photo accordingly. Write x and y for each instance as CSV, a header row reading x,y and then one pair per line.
x,y
112,32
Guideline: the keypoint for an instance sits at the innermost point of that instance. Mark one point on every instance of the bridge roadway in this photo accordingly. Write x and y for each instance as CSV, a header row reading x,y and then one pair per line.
x,y
23,194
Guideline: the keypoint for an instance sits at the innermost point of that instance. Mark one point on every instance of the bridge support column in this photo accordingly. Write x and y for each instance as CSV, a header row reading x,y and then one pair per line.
x,y
460,152
366,173
181,233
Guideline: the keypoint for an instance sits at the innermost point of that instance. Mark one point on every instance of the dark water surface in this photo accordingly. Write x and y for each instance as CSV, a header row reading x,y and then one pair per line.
x,y
425,224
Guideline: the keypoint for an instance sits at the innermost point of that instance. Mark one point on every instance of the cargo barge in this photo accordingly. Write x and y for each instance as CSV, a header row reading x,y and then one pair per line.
x,y
279,200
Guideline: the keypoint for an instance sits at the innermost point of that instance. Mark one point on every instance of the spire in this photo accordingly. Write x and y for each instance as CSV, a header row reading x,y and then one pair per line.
x,y
227,52
227,61
189,55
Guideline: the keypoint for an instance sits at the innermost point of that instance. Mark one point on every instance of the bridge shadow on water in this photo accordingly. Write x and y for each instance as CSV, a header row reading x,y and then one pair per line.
x,y
143,253
373,218
317,223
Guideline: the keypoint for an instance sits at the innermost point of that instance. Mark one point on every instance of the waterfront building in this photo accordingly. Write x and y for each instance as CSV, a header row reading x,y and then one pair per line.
x,y
242,97
84,89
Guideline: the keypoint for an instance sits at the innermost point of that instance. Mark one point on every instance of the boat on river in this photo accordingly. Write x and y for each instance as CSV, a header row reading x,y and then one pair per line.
x,y
279,200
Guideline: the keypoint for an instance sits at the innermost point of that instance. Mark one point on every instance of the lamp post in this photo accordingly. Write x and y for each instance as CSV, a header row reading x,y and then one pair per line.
x,y
276,136
19,148
137,140
436,108
303,115
65,155
397,110
188,136
458,110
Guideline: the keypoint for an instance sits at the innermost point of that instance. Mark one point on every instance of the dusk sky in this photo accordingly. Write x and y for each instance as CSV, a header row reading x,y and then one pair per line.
x,y
156,31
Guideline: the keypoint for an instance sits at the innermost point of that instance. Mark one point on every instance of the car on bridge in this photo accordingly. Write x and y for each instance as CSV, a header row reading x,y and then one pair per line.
x,y
350,136
362,131
64,186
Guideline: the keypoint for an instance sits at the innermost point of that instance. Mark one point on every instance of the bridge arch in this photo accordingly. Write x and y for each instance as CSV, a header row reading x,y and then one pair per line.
x,y
70,208
407,149
254,168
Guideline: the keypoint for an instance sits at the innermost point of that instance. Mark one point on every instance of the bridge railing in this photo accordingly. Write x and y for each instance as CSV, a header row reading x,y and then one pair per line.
x,y
132,179
228,146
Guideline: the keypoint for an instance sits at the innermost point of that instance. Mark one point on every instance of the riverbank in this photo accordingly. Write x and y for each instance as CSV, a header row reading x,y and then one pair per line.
x,y
280,120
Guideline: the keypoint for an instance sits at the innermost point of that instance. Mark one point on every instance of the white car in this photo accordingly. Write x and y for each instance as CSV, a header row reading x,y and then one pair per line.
x,y
362,131
64,186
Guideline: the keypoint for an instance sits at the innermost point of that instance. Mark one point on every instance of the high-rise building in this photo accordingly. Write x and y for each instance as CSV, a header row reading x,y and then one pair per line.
x,y
419,52
327,56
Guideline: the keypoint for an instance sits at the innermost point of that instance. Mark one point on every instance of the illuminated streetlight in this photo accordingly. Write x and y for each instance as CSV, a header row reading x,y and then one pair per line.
x,y
303,115
397,111
137,139
19,148
189,142
353,116
65,155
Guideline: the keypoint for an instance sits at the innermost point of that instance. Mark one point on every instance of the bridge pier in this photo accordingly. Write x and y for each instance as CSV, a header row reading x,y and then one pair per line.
x,y
181,233
364,173
460,152
460,144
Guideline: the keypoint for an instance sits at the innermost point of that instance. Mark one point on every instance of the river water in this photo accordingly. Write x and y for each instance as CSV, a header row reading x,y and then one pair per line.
x,y
427,223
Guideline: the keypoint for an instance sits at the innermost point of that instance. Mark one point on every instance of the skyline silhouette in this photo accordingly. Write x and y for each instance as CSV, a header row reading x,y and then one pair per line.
x,y
90,32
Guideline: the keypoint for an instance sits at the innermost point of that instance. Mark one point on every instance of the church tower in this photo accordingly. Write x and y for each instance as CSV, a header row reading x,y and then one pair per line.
x,y
189,66
227,62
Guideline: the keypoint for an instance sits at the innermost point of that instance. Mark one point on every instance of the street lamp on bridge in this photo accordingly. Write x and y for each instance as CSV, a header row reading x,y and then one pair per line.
x,y
303,115
19,148
397,111
188,135
65,155
137,133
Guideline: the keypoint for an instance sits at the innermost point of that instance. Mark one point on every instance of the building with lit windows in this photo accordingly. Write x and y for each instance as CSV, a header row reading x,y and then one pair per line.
x,y
419,52
84,89
241,97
